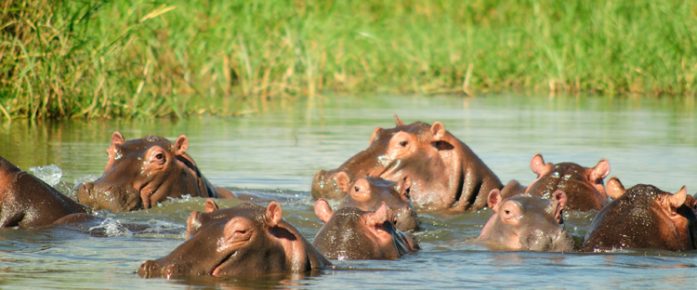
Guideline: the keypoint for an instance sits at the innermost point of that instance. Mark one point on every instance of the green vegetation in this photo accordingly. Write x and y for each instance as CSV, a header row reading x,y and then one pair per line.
x,y
81,58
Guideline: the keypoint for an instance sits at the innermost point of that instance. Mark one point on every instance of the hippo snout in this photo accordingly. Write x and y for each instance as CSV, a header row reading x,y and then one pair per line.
x,y
406,220
84,192
557,241
324,186
149,269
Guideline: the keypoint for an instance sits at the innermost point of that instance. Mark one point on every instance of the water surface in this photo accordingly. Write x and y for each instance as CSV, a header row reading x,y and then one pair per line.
x,y
274,154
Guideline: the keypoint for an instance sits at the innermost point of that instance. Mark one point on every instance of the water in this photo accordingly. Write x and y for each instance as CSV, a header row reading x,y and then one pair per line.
x,y
274,154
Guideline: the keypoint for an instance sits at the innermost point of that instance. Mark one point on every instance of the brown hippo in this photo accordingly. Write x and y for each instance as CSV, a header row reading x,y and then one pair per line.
x,y
445,173
582,185
643,217
525,222
28,202
368,193
244,241
353,234
142,172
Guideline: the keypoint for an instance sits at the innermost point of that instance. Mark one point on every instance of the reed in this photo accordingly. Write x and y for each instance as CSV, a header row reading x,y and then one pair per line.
x,y
143,58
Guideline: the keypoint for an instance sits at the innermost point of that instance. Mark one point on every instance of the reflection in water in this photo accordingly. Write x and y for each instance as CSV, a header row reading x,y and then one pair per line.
x,y
273,156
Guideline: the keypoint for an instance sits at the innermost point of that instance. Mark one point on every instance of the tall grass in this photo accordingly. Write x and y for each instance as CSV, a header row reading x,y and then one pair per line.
x,y
62,59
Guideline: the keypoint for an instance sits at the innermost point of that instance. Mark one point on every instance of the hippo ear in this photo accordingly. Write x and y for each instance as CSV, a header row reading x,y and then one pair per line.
x,y
559,200
494,199
323,211
342,181
538,165
380,216
678,198
274,214
375,135
117,138
193,223
600,171
397,121
614,188
438,130
181,145
210,206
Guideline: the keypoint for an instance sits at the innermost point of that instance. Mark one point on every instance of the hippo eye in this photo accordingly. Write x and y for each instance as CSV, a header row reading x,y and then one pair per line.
x,y
159,156
356,188
507,211
403,143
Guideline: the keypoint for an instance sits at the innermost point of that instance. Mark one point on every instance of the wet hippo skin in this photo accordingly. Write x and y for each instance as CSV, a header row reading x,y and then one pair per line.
x,y
526,222
445,173
142,172
28,202
246,241
353,234
643,217
368,193
583,185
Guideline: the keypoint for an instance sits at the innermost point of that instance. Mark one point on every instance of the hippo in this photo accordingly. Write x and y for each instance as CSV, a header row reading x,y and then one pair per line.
x,y
445,173
245,241
142,172
526,222
353,234
643,217
582,185
368,193
28,202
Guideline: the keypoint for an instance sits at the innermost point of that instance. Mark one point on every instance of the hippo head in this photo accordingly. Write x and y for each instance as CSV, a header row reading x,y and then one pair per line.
x,y
526,222
432,158
368,193
27,202
244,241
350,233
643,216
582,185
141,172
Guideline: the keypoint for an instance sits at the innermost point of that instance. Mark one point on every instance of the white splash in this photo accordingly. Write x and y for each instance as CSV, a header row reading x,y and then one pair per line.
x,y
50,174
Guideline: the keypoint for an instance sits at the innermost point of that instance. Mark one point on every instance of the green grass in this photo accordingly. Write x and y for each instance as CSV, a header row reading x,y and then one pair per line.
x,y
177,58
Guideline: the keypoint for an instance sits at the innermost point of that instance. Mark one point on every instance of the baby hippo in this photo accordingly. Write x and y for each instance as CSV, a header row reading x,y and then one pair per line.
x,y
582,185
353,234
142,172
368,193
245,241
526,222
28,202
643,217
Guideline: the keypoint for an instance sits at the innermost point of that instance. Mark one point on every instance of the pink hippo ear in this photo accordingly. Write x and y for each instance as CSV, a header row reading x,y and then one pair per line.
x,y
323,211
614,188
210,206
494,199
376,133
397,121
438,130
274,214
558,204
117,138
380,216
678,198
538,165
342,181
193,223
181,145
599,171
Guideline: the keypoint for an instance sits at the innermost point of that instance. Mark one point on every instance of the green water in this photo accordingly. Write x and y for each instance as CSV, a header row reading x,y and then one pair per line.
x,y
274,154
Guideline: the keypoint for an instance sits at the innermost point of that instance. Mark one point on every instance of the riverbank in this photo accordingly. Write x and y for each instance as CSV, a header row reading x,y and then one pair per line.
x,y
178,58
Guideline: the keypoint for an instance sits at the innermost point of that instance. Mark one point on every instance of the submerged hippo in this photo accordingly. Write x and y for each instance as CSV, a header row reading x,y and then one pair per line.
x,y
445,174
353,234
524,222
142,172
244,241
368,193
583,185
28,202
643,217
